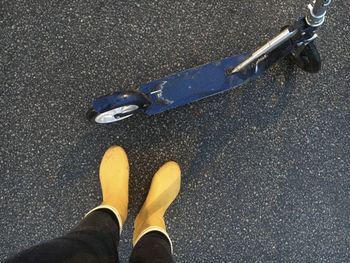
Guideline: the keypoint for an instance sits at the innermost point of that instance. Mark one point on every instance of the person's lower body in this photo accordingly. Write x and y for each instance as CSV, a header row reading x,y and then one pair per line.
x,y
95,240
96,237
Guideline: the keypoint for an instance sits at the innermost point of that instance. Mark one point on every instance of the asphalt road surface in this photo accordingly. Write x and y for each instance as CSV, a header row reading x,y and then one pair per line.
x,y
266,173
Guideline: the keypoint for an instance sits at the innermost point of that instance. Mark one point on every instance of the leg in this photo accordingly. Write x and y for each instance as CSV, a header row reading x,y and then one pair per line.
x,y
94,240
151,240
152,247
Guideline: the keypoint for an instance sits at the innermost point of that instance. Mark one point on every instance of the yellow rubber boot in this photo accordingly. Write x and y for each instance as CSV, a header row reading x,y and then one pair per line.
x,y
114,179
165,187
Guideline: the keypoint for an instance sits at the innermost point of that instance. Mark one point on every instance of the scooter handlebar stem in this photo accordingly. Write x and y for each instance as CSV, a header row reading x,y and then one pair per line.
x,y
317,12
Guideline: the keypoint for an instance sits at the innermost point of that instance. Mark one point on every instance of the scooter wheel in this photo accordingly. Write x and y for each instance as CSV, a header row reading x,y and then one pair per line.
x,y
309,59
116,107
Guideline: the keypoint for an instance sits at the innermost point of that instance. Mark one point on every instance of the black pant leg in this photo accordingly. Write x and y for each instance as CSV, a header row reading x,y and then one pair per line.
x,y
154,247
95,239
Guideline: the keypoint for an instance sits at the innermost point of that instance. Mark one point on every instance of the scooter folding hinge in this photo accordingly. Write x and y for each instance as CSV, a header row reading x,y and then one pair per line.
x,y
258,62
307,41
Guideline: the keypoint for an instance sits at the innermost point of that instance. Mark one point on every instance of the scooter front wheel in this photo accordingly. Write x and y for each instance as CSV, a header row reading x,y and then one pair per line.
x,y
308,60
116,107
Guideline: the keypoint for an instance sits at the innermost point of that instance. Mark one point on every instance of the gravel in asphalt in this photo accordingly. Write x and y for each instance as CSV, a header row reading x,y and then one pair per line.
x,y
265,168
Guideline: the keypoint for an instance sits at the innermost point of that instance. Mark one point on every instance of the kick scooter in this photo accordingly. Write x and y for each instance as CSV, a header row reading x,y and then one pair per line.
x,y
296,42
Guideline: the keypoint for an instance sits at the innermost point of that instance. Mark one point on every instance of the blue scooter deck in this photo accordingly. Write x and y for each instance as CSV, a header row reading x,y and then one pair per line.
x,y
193,84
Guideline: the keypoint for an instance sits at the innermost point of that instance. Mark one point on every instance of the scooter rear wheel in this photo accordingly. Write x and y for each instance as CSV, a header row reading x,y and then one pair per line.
x,y
116,107
113,115
308,60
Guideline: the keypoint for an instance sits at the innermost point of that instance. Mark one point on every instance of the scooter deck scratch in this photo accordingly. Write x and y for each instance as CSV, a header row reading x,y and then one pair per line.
x,y
193,84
